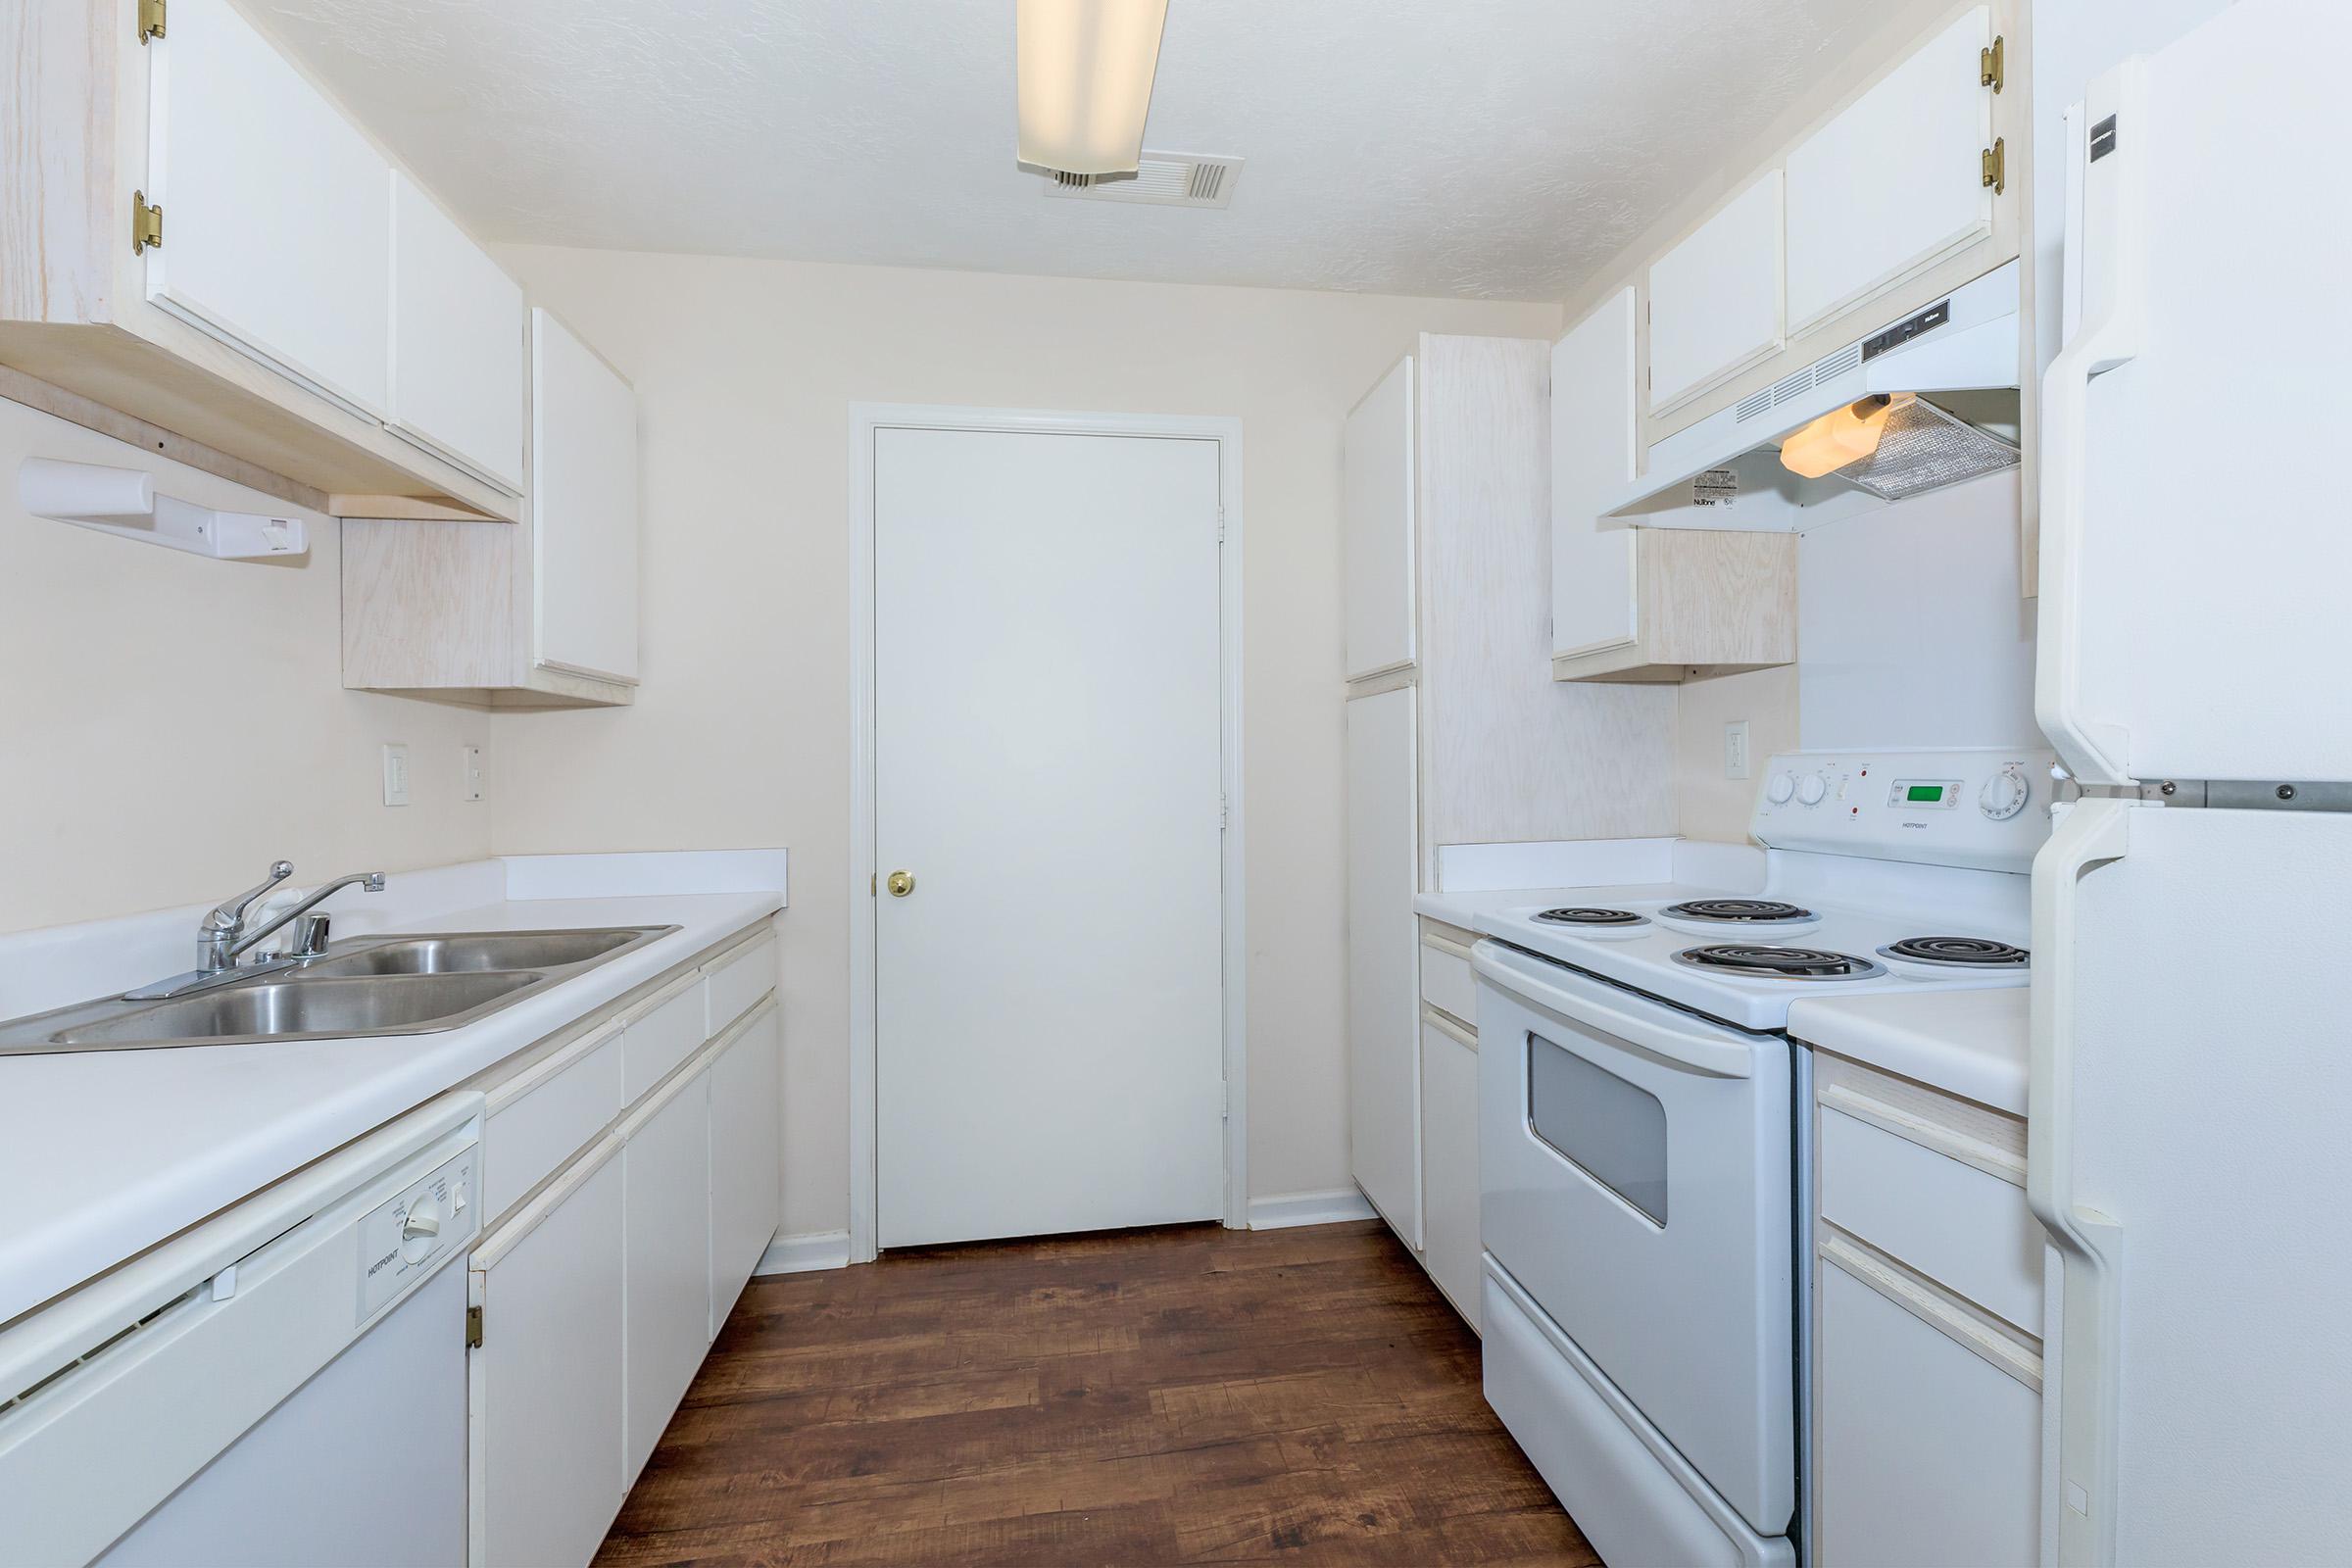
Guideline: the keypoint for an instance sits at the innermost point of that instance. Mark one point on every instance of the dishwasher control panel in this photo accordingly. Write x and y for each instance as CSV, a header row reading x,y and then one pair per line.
x,y
408,1235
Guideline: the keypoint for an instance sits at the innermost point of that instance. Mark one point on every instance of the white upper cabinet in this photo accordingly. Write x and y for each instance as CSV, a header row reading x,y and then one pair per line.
x,y
1715,299
1377,488
456,342
584,505
279,228
1894,183
1594,441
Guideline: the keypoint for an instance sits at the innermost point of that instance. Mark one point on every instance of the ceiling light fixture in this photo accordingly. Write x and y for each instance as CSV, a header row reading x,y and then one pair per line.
x,y
1084,71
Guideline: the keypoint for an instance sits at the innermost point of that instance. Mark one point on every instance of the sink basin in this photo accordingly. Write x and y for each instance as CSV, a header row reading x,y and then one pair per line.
x,y
309,1008
465,955
359,988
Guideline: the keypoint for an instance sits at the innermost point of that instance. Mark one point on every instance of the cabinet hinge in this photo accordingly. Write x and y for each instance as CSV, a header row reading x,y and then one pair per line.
x,y
146,223
473,1328
1996,165
1993,65
151,20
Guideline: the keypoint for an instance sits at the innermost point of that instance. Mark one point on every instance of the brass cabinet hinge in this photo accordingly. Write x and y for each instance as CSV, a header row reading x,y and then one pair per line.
x,y
1996,165
473,1328
146,223
151,20
1992,67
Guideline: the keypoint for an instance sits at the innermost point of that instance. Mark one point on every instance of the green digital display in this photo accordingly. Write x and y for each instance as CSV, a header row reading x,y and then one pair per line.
x,y
1928,793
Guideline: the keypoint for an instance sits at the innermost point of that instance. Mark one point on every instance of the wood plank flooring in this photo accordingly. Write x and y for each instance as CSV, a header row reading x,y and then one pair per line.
x,y
1183,1395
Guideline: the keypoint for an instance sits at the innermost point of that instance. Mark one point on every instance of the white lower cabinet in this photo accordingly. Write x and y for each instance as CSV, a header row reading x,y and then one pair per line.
x,y
543,1430
746,1142
666,1165
1449,1161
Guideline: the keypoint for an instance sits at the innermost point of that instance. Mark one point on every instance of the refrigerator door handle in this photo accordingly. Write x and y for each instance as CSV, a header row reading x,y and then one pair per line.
x,y
2104,227
2079,1480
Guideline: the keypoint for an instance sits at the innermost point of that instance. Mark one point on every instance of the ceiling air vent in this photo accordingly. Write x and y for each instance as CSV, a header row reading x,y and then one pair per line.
x,y
1161,180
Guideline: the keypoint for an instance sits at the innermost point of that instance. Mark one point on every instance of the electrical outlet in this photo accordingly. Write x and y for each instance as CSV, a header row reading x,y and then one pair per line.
x,y
470,773
1735,749
396,774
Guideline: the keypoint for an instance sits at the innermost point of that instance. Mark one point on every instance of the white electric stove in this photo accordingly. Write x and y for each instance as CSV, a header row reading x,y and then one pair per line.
x,y
1640,1146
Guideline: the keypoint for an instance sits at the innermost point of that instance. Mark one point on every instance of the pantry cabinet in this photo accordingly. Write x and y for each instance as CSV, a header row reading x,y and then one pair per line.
x,y
1930,1313
197,256
1384,1067
1715,300
457,342
1895,182
544,1422
280,217
1644,603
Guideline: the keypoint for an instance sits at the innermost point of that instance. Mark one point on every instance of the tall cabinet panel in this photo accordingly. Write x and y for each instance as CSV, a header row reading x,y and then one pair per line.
x,y
1384,1064
279,209
584,505
1594,446
1377,489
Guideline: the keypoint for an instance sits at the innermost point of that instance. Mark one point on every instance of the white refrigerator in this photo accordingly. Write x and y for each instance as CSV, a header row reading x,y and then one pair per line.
x,y
2190,1144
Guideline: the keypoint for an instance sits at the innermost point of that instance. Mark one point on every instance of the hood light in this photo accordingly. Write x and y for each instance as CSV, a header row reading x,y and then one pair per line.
x,y
1839,438
1084,71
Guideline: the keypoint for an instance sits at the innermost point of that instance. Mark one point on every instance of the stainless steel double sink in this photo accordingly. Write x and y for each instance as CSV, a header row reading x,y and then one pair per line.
x,y
357,989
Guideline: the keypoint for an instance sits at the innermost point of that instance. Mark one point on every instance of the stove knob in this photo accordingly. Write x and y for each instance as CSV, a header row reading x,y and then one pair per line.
x,y
421,1231
2004,794
1810,789
1783,786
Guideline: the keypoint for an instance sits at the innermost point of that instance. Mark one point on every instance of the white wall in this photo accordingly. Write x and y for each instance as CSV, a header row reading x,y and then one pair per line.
x,y
744,371
1912,631
170,725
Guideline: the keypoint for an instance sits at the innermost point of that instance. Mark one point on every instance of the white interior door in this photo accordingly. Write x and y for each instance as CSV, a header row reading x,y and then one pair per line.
x,y
1050,1052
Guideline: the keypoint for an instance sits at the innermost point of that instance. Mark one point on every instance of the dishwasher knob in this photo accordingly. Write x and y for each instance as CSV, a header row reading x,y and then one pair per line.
x,y
1811,789
1783,786
421,1230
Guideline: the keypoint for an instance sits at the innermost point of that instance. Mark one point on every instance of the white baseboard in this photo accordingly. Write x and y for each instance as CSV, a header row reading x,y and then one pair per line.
x,y
797,1255
1309,1209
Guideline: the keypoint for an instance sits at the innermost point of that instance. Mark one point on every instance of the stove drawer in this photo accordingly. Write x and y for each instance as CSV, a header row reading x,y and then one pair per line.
x,y
1967,1230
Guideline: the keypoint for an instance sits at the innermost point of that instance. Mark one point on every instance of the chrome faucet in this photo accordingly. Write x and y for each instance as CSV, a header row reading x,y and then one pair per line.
x,y
223,937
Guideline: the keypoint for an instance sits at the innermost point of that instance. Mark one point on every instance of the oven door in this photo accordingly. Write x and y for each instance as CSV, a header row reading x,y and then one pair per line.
x,y
1636,1180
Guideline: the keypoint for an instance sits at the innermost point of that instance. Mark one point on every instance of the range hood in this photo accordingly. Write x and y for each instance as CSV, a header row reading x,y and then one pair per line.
x,y
1936,390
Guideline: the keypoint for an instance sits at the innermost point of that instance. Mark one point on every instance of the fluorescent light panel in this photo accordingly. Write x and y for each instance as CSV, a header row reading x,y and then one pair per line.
x,y
1085,69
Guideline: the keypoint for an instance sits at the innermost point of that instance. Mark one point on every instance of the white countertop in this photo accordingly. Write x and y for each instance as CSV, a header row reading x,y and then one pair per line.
x,y
107,1152
1972,1044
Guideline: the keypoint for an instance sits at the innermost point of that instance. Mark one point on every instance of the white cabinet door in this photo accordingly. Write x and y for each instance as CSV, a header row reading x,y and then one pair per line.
x,y
1593,444
1894,183
584,505
1449,1166
1384,946
665,1160
276,210
1929,1454
1715,299
544,1387
1377,498
456,342
746,1150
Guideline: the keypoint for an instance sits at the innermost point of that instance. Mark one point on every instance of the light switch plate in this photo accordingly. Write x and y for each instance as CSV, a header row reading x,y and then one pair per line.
x,y
396,774
1735,749
470,773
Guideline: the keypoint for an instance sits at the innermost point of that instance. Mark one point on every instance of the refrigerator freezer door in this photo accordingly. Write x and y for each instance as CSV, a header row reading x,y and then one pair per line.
x,y
2187,1125
2197,529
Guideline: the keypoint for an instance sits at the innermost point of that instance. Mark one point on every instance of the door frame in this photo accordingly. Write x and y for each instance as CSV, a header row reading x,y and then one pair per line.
x,y
865,418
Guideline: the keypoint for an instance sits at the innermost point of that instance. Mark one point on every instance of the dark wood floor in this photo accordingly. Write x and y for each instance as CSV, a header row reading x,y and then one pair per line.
x,y
1185,1395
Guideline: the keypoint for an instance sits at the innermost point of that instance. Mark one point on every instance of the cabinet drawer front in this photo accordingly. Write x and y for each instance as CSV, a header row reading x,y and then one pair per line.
x,y
1970,1232
661,1038
524,1140
1446,983
738,980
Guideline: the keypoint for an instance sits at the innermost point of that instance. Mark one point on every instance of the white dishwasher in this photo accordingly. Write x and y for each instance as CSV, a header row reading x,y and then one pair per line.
x,y
281,1383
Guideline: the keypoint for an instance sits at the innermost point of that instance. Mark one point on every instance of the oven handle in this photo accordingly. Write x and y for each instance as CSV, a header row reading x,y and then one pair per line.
x,y
1718,1053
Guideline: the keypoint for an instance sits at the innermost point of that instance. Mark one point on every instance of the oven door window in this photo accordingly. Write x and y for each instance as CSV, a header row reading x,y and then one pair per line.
x,y
1613,1131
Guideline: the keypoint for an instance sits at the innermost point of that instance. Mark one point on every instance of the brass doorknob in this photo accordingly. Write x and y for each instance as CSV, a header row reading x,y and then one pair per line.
x,y
900,883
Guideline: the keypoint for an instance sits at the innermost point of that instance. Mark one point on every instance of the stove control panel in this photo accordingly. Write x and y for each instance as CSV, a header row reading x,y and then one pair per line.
x,y
1986,810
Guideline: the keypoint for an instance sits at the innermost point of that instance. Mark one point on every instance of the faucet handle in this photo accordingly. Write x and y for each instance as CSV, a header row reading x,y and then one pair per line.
x,y
229,913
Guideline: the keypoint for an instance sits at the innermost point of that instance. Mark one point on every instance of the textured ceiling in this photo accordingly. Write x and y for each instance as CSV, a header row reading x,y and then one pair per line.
x,y
1495,148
